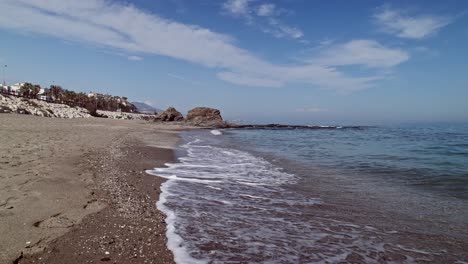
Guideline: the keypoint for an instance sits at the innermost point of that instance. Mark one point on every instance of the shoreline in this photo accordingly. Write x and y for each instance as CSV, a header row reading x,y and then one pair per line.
x,y
102,204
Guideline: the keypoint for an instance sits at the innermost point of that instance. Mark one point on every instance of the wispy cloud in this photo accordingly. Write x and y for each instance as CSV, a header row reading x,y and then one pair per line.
x,y
250,79
238,7
326,42
128,29
134,58
280,30
266,10
311,110
364,52
401,24
264,16
182,78
180,6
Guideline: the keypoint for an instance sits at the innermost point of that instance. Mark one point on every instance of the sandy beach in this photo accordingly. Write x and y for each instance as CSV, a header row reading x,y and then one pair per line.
x,y
75,191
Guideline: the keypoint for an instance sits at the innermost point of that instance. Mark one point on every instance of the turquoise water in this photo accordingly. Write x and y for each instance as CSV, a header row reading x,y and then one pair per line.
x,y
344,195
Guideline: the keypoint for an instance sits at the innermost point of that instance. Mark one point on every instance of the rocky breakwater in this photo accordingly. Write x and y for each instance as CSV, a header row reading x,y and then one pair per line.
x,y
12,104
206,117
125,116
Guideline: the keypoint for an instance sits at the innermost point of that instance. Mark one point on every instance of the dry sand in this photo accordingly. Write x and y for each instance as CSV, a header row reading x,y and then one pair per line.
x,y
75,191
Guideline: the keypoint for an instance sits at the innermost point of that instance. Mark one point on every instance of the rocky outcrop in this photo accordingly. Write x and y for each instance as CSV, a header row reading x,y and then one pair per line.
x,y
12,104
171,114
206,117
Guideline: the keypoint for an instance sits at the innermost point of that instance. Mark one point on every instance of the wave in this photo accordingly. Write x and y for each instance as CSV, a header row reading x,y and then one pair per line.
x,y
216,132
227,205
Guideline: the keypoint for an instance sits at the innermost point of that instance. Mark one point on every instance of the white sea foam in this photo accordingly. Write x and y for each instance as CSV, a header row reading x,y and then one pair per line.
x,y
174,177
226,205
216,132
215,188
252,196
174,242
214,168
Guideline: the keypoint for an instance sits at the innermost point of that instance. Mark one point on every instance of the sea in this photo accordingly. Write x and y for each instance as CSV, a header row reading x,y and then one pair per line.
x,y
332,194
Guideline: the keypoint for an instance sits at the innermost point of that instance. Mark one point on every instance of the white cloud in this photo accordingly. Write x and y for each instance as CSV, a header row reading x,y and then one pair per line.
x,y
361,52
414,27
237,7
134,31
266,10
326,42
134,58
279,30
263,16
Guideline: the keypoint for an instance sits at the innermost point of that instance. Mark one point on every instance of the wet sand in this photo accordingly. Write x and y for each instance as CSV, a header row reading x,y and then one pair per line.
x,y
75,191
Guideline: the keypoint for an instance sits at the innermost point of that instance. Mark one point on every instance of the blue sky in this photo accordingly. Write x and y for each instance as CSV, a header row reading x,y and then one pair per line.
x,y
289,61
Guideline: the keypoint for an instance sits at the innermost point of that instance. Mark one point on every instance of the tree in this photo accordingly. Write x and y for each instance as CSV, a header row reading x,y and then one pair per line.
x,y
26,89
35,91
56,92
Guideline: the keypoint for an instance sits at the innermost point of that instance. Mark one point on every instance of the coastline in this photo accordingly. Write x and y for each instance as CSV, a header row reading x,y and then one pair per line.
x,y
76,190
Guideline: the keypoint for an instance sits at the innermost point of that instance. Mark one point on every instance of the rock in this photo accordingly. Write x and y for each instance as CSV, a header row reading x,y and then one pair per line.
x,y
171,114
22,111
204,116
4,109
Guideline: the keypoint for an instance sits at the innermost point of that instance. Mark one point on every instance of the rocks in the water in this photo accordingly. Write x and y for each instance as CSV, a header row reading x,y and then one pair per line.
x,y
171,114
205,116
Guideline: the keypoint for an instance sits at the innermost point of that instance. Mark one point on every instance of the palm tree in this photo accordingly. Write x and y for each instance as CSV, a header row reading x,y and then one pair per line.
x,y
56,92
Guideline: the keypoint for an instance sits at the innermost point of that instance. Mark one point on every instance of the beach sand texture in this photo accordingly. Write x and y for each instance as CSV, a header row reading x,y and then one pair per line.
x,y
83,178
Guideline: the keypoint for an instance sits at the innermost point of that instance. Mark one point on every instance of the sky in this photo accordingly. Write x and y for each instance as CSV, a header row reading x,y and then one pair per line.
x,y
258,61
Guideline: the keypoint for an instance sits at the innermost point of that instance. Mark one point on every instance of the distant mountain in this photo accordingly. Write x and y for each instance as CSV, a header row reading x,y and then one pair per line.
x,y
146,108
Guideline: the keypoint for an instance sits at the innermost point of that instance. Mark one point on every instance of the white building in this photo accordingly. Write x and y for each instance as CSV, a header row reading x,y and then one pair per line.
x,y
14,89
41,95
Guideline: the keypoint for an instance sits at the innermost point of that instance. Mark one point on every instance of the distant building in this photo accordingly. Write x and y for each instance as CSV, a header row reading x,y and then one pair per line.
x,y
96,95
15,88
42,95
3,88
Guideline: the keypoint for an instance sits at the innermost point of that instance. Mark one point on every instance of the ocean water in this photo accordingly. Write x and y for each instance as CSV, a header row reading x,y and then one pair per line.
x,y
344,195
